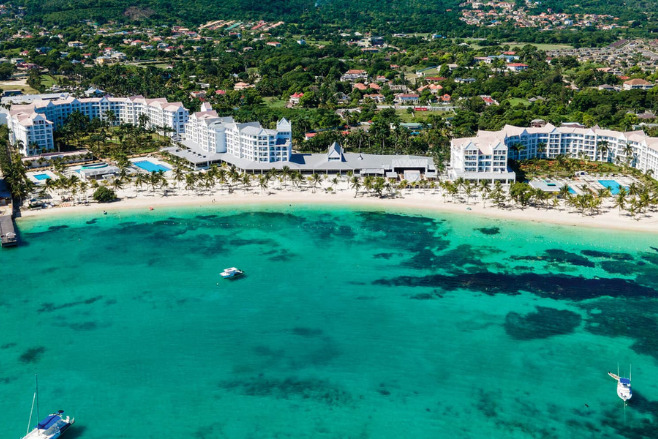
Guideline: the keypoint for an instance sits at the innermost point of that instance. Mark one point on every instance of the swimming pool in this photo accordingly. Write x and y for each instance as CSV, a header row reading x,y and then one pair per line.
x,y
571,191
149,166
612,185
95,166
42,177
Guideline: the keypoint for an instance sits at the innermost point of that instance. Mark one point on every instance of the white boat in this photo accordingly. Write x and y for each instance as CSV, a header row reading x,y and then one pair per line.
x,y
624,390
51,427
231,272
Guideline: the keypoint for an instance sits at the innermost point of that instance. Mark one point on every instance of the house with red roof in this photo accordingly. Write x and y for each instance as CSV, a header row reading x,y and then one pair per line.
x,y
517,67
295,98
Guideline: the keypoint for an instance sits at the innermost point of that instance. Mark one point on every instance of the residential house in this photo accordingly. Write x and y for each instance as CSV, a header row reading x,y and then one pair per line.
x,y
638,84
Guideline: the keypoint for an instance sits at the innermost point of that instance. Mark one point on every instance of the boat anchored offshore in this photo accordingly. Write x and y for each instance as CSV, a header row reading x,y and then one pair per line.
x,y
51,427
232,272
624,390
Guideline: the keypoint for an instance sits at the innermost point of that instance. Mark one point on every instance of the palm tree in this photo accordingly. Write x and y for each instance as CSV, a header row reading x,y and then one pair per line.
x,y
285,173
263,181
628,154
316,179
368,182
140,179
190,182
154,180
246,181
484,191
143,120
83,188
179,175
117,184
603,148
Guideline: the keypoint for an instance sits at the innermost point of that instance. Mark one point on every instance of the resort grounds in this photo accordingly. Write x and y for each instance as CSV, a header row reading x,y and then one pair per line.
x,y
330,190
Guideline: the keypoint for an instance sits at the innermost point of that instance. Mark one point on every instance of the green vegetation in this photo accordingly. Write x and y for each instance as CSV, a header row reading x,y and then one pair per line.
x,y
104,195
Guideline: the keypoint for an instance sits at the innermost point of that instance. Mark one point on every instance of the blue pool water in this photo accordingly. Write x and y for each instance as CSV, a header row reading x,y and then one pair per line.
x,y
42,177
613,185
571,191
150,166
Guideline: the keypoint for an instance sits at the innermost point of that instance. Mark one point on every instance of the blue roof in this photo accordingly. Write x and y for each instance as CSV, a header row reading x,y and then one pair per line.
x,y
48,422
624,381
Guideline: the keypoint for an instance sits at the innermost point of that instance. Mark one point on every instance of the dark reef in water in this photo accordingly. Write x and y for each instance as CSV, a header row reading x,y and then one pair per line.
x,y
50,307
489,230
557,256
82,326
32,355
543,285
284,255
290,388
307,332
543,323
607,255
635,319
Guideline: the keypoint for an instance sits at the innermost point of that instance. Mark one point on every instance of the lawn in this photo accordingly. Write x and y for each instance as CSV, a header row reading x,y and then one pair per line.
x,y
540,46
274,102
418,116
11,85
516,101
48,81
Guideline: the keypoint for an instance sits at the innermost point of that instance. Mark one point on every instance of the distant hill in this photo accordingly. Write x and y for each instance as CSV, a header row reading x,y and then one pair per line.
x,y
411,14
376,15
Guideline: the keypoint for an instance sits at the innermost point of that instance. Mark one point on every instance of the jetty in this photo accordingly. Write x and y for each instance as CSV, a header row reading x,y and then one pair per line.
x,y
7,231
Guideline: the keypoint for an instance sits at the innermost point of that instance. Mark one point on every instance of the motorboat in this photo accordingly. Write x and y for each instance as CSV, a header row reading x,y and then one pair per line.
x,y
232,272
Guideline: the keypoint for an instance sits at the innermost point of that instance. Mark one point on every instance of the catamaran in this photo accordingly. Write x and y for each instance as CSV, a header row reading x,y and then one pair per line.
x,y
231,272
51,427
624,390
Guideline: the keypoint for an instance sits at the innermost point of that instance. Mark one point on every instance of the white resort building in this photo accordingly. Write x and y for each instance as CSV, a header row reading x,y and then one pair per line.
x,y
211,134
33,124
480,157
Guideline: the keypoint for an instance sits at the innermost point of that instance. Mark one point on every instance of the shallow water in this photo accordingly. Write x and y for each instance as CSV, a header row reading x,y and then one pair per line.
x,y
347,324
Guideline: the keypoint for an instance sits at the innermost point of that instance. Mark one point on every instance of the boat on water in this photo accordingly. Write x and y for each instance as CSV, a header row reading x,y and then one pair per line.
x,y
51,427
232,272
624,390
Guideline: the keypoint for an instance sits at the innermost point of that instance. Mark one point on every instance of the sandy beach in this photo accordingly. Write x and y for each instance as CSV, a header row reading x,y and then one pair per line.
x,y
418,201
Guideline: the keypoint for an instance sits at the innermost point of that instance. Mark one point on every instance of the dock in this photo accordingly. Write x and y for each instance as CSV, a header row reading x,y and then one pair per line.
x,y
7,231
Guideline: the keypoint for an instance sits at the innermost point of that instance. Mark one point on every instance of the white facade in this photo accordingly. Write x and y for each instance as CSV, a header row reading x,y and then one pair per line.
x,y
214,134
159,113
32,133
634,148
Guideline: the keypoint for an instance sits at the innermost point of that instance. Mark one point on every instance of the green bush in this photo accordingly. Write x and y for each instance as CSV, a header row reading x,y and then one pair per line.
x,y
104,195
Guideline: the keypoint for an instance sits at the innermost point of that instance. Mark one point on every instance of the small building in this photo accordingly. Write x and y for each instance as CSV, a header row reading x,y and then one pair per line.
x,y
517,67
407,98
295,98
638,84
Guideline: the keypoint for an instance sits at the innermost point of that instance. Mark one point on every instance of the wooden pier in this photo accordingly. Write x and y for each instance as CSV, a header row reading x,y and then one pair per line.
x,y
7,231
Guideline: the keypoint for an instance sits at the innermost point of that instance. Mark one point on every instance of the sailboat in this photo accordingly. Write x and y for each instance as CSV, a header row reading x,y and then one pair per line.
x,y
624,390
51,427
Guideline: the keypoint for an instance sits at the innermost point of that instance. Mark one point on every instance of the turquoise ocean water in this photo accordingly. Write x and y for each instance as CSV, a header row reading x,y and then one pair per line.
x,y
348,324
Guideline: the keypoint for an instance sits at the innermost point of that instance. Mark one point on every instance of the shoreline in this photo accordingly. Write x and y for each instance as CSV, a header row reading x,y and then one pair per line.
x,y
412,202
